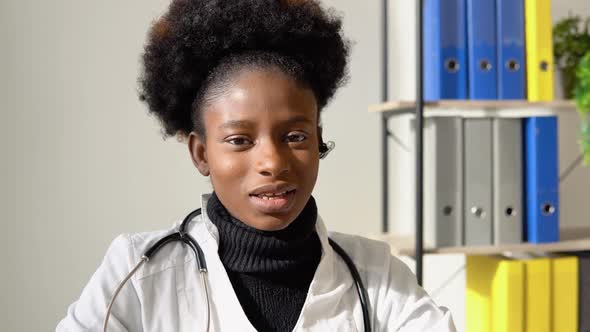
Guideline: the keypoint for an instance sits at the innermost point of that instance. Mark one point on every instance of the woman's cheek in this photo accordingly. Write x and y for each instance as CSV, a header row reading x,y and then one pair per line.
x,y
307,159
230,165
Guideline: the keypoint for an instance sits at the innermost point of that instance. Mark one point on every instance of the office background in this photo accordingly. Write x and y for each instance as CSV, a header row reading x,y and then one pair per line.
x,y
82,161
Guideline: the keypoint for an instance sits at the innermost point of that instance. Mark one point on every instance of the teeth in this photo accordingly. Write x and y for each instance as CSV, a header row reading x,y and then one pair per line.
x,y
269,196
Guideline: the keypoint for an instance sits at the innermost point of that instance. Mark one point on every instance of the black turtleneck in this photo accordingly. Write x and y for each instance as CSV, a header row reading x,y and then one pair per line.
x,y
270,271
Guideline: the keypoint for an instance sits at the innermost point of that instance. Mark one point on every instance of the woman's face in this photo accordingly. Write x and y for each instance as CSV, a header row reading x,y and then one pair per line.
x,y
261,147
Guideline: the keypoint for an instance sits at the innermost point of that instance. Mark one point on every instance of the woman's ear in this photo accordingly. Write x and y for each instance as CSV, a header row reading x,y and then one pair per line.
x,y
198,151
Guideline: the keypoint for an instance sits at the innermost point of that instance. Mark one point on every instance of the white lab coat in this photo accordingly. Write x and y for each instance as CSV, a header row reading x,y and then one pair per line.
x,y
166,294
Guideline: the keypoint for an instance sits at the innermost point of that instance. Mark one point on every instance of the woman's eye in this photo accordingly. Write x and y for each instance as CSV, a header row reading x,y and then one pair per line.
x,y
295,138
238,141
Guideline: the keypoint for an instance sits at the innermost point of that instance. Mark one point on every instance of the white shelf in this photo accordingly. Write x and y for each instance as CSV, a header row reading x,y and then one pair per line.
x,y
574,239
478,108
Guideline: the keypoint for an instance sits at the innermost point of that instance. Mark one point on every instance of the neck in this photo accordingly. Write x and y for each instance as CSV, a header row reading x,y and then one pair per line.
x,y
245,249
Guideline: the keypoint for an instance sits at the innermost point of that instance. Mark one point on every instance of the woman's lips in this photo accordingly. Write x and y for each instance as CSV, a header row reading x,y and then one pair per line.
x,y
274,203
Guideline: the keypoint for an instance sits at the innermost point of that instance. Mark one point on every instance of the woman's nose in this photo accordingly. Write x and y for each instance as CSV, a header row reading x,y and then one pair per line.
x,y
271,159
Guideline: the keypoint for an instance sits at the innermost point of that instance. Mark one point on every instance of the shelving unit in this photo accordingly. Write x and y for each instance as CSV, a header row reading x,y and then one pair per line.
x,y
414,246
469,109
572,240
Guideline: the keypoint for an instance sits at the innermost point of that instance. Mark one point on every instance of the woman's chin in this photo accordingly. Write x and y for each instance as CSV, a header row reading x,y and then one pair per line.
x,y
271,223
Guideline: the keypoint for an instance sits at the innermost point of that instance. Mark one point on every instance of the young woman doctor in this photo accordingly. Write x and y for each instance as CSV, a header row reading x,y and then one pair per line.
x,y
244,81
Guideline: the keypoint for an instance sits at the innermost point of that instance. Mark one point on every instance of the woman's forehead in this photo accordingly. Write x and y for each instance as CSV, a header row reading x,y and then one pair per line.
x,y
259,95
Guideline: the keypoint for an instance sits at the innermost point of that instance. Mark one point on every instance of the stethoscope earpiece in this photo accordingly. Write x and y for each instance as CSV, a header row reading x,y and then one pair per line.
x,y
326,148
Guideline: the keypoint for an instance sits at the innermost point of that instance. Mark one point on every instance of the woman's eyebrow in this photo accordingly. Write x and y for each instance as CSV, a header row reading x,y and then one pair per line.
x,y
236,124
298,119
245,124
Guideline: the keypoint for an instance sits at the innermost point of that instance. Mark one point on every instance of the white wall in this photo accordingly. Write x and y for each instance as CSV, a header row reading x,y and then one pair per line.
x,y
82,161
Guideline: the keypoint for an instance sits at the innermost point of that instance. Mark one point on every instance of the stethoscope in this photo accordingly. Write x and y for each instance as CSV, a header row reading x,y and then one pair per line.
x,y
183,236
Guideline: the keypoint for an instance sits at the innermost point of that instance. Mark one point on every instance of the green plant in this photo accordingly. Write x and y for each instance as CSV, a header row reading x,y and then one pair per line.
x,y
582,97
571,40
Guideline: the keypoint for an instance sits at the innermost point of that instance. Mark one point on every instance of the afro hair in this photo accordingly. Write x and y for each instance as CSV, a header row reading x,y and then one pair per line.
x,y
188,45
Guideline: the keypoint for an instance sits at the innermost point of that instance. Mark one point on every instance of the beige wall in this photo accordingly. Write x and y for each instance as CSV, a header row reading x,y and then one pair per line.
x,y
82,162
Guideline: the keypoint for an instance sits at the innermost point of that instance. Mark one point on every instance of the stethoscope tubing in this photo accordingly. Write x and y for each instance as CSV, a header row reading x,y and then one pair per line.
x,y
360,288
